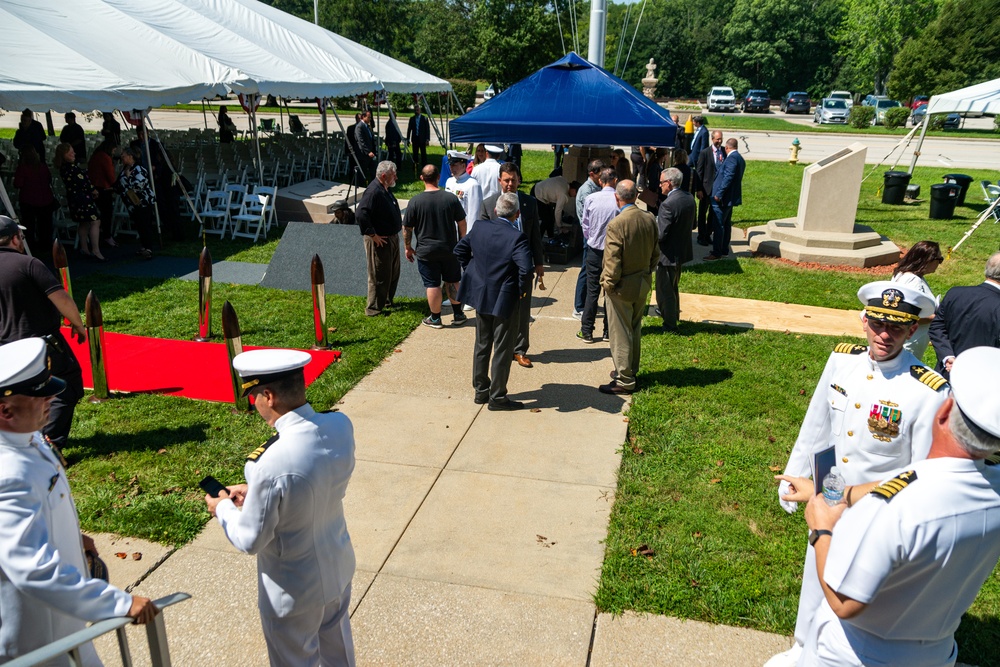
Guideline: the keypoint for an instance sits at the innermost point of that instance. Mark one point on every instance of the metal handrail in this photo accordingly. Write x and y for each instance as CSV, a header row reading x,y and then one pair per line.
x,y
156,633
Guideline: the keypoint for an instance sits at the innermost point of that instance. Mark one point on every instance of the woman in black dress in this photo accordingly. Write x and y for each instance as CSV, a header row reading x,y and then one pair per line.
x,y
81,196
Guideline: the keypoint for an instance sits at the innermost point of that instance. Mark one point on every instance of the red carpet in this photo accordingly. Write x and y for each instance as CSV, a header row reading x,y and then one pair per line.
x,y
174,367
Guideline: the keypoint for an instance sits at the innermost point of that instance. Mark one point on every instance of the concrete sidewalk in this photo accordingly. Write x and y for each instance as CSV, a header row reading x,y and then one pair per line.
x,y
479,535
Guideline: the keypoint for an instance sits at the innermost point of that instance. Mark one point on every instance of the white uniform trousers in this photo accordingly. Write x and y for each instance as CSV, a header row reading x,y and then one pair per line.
x,y
318,637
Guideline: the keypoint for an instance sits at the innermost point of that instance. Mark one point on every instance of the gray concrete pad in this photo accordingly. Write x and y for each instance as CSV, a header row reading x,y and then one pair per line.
x,y
544,446
126,571
507,533
431,362
411,622
426,430
380,502
220,624
644,640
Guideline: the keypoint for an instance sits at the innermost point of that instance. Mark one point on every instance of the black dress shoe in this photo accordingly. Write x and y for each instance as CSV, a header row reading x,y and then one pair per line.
x,y
614,388
505,405
481,400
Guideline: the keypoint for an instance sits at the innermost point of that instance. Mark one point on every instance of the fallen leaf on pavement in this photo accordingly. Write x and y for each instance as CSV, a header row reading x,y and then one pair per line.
x,y
121,554
535,410
136,555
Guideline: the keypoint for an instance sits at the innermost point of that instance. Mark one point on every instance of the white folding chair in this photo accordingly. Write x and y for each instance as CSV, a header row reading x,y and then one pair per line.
x,y
272,194
215,213
991,193
253,213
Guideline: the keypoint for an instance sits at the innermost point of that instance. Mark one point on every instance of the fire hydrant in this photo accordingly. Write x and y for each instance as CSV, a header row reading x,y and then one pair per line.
x,y
794,150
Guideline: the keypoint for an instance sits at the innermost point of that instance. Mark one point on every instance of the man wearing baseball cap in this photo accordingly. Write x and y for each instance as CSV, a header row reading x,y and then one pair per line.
x,y
905,560
46,591
31,302
875,404
290,513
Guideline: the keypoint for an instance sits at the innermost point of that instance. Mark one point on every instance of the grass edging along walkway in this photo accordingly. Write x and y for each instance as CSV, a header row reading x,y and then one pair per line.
x,y
696,530
137,459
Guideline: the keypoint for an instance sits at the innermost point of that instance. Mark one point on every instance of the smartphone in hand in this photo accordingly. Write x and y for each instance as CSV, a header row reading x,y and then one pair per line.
x,y
212,486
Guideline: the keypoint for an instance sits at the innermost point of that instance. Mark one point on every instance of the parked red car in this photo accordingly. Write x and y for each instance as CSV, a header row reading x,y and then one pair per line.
x,y
918,100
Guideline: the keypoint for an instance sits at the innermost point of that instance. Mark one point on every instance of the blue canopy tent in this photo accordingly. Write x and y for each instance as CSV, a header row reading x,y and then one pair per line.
x,y
571,101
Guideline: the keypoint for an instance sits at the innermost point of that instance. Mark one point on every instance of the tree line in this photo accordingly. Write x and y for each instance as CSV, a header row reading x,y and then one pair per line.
x,y
896,47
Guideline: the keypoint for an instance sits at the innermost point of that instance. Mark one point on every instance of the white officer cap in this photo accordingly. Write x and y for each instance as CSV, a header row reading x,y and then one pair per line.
x,y
973,376
24,369
892,302
493,148
458,156
258,367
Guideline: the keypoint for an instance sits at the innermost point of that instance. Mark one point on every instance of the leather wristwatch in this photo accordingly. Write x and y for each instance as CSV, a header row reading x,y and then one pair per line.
x,y
816,534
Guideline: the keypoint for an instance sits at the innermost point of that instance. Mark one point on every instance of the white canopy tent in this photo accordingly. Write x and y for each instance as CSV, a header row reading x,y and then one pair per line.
x,y
982,99
84,55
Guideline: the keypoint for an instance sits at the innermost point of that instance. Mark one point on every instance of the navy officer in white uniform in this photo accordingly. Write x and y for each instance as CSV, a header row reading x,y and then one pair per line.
x,y
876,405
290,513
903,564
46,591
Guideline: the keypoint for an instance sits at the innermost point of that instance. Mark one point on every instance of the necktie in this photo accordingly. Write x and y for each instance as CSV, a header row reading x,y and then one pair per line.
x,y
719,156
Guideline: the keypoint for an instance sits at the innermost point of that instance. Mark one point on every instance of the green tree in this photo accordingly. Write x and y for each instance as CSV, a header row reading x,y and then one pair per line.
x,y
510,39
779,45
961,47
441,39
873,32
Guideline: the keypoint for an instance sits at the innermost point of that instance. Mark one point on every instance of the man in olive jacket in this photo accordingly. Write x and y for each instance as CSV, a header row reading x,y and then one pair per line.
x,y
630,255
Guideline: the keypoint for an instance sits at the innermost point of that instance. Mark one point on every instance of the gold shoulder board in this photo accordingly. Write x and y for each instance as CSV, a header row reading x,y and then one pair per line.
x,y
257,453
849,348
928,377
888,490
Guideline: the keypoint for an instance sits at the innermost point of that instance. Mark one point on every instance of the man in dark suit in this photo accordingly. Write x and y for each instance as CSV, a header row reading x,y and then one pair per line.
x,y
510,180
673,222
699,140
967,317
364,138
497,274
392,141
418,134
727,192
705,169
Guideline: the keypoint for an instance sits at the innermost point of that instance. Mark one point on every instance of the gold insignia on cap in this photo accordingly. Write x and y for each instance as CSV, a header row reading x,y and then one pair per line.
x,y
888,490
252,383
891,298
849,348
928,377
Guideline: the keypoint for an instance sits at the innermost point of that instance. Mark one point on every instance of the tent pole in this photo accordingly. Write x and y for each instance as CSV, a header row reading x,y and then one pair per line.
x,y
920,141
256,137
982,218
281,116
180,181
326,138
152,181
430,117
349,150
204,115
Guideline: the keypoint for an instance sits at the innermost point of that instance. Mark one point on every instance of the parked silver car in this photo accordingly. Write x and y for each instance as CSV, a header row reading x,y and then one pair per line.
x,y
881,106
831,111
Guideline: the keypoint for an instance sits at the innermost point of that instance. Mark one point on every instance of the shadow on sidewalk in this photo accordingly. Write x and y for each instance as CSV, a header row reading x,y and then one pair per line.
x,y
570,398
568,355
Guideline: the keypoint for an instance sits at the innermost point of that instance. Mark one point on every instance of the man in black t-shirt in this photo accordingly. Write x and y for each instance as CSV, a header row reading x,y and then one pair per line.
x,y
31,302
438,219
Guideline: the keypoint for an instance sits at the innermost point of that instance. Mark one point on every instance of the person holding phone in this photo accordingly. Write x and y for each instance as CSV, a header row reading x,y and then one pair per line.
x,y
290,513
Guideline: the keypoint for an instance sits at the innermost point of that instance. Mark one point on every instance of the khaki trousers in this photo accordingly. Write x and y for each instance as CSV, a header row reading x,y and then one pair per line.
x,y
383,273
625,332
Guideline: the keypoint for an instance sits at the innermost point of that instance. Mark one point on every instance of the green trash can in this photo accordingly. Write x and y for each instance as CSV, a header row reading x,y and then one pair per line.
x,y
963,183
894,187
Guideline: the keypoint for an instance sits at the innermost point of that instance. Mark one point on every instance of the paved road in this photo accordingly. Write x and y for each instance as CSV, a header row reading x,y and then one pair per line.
x,y
948,153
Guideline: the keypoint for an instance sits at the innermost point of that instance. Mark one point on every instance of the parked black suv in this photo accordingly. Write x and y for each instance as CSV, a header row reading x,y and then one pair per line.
x,y
757,100
795,102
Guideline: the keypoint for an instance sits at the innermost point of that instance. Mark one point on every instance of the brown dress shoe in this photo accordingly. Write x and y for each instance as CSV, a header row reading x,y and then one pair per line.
x,y
522,361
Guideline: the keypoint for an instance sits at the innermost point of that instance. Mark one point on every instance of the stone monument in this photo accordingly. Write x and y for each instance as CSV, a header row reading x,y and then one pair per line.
x,y
824,231
649,81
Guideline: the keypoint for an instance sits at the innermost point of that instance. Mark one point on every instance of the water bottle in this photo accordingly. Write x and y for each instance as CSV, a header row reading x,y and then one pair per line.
x,y
833,487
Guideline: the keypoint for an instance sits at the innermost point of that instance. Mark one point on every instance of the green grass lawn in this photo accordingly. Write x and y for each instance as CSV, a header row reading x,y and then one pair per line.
x,y
137,459
777,123
718,416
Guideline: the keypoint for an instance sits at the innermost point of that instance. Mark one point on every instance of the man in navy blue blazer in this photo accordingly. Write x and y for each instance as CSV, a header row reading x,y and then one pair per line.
x,y
497,269
699,140
727,192
967,317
